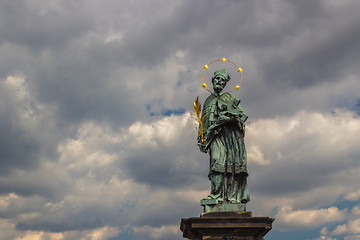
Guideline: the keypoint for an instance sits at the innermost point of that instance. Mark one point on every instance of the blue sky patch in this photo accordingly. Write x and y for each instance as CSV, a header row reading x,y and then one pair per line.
x,y
356,108
169,112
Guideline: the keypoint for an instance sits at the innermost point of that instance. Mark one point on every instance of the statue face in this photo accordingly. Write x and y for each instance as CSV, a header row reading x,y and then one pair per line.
x,y
219,84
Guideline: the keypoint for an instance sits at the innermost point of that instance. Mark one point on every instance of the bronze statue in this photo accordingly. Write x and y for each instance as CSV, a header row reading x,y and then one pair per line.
x,y
221,135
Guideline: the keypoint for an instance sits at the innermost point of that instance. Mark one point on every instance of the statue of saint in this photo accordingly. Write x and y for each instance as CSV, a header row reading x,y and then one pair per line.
x,y
222,137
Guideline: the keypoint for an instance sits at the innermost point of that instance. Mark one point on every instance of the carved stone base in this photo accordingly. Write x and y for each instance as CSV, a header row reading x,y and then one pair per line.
x,y
226,226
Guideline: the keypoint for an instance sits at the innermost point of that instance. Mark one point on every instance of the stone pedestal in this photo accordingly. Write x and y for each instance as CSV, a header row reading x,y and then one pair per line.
x,y
226,226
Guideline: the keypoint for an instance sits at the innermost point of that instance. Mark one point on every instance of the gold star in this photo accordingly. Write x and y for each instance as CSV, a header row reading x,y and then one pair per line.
x,y
224,59
204,85
240,70
237,87
206,67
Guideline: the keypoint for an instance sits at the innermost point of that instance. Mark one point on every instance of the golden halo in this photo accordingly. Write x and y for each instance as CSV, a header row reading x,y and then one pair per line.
x,y
204,85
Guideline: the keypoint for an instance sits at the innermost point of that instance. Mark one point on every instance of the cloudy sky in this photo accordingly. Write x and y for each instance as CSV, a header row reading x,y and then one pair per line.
x,y
98,141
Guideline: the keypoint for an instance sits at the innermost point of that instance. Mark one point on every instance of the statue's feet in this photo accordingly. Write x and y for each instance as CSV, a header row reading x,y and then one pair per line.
x,y
233,201
213,197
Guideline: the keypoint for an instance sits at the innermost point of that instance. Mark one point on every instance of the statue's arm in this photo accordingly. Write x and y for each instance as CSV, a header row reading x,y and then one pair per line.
x,y
240,115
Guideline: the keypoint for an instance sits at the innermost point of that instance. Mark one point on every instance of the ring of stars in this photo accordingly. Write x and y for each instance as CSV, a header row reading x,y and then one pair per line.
x,y
204,85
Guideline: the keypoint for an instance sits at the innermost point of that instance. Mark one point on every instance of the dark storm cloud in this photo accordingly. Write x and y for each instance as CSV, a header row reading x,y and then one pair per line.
x,y
81,89
31,183
162,170
117,62
322,61
296,44
309,174
41,25
48,48
18,150
90,218
204,28
206,25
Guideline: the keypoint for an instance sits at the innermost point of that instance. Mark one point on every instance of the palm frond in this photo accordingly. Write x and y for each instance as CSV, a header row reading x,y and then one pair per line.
x,y
197,109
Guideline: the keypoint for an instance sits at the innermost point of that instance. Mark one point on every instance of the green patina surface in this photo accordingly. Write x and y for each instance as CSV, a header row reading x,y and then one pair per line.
x,y
224,131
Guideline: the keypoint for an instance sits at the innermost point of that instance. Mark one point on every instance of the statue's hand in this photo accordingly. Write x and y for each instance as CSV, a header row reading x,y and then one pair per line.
x,y
202,147
223,118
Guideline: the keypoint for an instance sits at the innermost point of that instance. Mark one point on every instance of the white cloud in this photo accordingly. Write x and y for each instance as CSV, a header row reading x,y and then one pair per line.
x,y
95,148
324,231
103,233
163,232
310,154
324,238
288,218
352,237
150,136
94,161
28,112
296,136
91,165
7,229
257,157
353,196
351,227
355,211
113,37
38,235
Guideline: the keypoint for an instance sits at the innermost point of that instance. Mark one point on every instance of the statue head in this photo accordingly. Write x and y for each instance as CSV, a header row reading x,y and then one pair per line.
x,y
221,77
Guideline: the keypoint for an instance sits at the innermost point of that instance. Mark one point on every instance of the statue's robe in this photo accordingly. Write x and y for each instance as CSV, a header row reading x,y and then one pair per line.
x,y
225,143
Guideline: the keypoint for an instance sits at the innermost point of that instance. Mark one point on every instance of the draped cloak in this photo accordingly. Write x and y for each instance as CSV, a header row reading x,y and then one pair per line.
x,y
226,147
